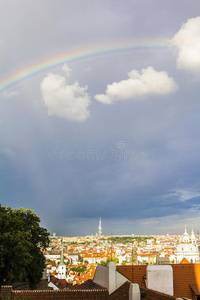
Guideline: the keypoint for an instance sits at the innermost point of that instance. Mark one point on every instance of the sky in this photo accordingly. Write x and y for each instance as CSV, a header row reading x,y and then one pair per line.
x,y
100,106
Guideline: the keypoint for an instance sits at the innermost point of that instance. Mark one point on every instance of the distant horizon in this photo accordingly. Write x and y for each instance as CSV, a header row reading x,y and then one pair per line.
x,y
189,229
131,235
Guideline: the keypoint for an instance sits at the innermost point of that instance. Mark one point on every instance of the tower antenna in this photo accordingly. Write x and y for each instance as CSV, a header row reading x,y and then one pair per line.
x,y
100,229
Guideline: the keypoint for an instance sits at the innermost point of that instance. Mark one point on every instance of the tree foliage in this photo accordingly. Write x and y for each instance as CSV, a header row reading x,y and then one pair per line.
x,y
86,262
109,259
79,269
21,241
103,263
130,239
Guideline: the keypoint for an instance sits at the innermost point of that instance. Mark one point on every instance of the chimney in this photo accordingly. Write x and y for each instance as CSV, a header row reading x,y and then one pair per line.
x,y
112,284
109,277
160,279
134,292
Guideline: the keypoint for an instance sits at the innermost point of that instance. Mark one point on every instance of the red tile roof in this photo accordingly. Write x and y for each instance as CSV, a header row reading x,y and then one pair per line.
x,y
59,283
136,275
184,275
184,261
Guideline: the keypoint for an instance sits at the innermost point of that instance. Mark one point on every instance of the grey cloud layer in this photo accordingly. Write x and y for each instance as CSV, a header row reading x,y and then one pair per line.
x,y
50,116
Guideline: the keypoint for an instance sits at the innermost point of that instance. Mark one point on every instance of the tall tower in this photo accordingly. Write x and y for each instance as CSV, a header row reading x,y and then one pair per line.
x,y
62,267
193,238
100,229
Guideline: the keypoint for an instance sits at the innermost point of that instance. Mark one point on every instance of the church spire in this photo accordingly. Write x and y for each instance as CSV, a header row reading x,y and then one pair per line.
x,y
61,267
192,230
62,256
185,237
193,238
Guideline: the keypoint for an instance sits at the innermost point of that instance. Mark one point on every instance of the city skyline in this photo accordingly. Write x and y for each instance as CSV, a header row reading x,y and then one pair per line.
x,y
98,233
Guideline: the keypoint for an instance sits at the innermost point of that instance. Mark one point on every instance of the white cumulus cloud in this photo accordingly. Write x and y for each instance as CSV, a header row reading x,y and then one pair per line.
x,y
187,42
139,85
62,100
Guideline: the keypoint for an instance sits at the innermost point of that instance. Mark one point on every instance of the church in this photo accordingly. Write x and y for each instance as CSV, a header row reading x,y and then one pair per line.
x,y
62,266
187,248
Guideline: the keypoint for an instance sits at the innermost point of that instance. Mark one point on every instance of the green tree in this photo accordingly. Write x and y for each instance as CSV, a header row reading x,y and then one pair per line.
x,y
86,262
21,241
79,269
114,259
144,262
103,263
5,298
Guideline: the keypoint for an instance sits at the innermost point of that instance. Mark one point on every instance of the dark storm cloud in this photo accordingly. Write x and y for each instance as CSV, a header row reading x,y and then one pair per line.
x,y
133,162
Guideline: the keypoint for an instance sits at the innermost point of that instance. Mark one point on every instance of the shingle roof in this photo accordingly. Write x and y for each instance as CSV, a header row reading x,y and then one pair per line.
x,y
60,283
121,293
90,284
196,289
148,294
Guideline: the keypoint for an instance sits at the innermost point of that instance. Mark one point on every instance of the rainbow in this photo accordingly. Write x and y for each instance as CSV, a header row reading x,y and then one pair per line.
x,y
50,63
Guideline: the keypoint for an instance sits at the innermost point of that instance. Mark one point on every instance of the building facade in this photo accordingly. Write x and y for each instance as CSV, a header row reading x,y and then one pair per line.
x,y
187,248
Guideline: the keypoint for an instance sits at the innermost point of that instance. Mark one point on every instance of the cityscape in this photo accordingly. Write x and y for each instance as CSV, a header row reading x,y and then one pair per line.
x,y
74,259
99,154
97,266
